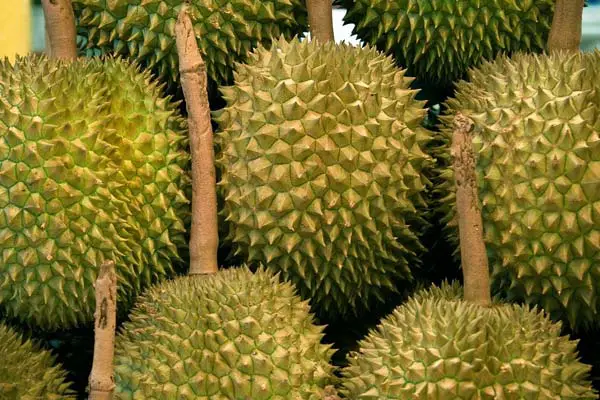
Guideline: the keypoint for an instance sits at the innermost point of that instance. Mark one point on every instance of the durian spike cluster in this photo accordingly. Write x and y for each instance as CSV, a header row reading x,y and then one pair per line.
x,y
231,335
226,30
322,170
438,347
537,144
438,40
91,169
28,372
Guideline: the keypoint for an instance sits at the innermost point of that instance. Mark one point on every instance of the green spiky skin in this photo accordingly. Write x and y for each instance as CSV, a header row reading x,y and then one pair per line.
x,y
537,143
447,290
28,372
226,30
233,335
437,347
322,170
438,40
91,166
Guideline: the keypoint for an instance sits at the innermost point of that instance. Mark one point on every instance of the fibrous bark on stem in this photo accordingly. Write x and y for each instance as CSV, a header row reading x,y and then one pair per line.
x,y
204,239
565,33
320,20
105,320
60,29
472,247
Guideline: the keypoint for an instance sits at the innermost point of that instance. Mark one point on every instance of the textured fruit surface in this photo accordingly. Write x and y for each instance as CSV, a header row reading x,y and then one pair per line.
x,y
91,169
537,143
233,335
321,169
436,346
226,29
28,372
438,40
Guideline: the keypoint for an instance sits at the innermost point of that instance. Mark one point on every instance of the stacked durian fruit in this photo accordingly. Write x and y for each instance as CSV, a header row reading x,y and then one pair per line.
x,y
145,30
325,179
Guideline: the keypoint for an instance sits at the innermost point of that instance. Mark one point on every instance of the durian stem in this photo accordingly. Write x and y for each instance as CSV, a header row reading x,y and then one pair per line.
x,y
565,33
48,45
204,239
102,382
475,267
60,27
320,20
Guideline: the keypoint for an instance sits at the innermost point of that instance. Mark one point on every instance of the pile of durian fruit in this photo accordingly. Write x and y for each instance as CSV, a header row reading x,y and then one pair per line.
x,y
336,187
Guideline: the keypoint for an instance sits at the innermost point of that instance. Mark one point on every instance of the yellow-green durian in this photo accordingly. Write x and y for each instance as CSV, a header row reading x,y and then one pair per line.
x,y
92,162
537,146
28,372
438,40
226,30
322,170
439,347
233,335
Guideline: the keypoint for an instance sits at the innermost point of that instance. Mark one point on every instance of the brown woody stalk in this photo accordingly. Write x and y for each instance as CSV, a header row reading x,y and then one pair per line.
x,y
204,239
565,33
320,20
60,29
472,247
102,382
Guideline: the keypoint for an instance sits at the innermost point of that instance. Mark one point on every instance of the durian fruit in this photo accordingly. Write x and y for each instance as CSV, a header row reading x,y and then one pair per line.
x,y
537,143
28,372
438,347
226,30
91,168
438,40
321,160
233,335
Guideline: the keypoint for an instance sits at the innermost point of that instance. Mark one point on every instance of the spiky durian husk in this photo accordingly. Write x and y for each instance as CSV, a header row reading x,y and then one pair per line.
x,y
226,30
438,40
28,372
446,290
436,347
91,170
232,335
537,143
322,170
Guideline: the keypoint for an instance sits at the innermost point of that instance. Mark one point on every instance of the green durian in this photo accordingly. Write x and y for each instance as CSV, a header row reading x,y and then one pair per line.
x,y
226,30
28,372
91,169
537,144
438,347
438,40
321,160
233,335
